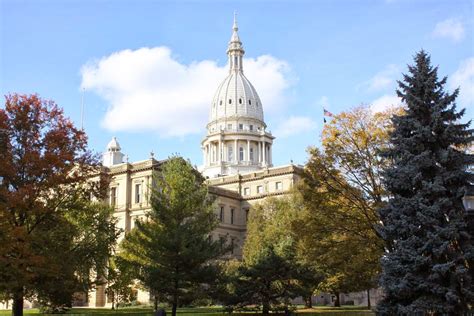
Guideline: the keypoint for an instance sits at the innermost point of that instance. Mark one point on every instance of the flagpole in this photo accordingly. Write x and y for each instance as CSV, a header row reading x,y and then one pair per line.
x,y
82,110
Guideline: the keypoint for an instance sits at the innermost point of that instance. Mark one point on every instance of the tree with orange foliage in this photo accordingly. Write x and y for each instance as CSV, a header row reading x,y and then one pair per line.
x,y
342,191
51,235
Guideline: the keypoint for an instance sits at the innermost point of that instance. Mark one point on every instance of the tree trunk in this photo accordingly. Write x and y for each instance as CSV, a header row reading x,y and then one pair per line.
x,y
173,310
155,304
17,307
175,304
368,299
309,302
337,303
265,308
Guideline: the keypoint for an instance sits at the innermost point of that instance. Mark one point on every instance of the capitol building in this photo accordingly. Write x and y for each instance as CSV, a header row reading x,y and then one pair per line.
x,y
237,162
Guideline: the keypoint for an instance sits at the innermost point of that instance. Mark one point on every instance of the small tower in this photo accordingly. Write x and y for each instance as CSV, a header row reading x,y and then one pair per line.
x,y
113,155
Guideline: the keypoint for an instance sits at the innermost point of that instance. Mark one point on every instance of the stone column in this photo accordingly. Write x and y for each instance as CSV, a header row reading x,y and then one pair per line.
x,y
270,156
236,154
204,162
148,190
264,154
248,151
214,152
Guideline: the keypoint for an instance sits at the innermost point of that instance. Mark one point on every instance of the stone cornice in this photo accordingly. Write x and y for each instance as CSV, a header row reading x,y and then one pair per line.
x,y
257,175
150,164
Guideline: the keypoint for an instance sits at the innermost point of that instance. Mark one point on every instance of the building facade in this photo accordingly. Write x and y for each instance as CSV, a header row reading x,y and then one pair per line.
x,y
237,162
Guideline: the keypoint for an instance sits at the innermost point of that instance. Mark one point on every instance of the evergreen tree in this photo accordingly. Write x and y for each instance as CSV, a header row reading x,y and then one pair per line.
x,y
428,267
172,247
272,272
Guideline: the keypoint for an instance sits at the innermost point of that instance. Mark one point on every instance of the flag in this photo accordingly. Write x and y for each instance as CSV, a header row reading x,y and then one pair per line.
x,y
327,113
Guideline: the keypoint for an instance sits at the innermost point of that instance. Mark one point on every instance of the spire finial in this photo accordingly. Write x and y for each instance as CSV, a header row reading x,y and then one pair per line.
x,y
235,50
235,36
235,27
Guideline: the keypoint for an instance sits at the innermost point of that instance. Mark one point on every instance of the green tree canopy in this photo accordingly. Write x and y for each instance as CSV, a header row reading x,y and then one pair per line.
x,y
271,273
172,247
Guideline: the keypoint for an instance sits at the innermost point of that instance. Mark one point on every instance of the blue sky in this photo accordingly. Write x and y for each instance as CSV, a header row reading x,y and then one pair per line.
x,y
149,69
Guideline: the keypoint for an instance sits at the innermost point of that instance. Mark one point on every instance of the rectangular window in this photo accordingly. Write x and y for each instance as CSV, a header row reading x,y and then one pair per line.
x,y
232,216
221,214
241,126
246,215
113,196
278,186
230,153
251,127
229,127
246,191
260,189
138,193
251,154
241,154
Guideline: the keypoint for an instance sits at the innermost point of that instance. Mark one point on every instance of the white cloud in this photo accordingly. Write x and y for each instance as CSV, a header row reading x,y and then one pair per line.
x,y
450,28
295,125
384,102
382,80
463,78
149,90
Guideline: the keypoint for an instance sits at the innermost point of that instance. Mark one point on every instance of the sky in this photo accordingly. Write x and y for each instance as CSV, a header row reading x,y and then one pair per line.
x,y
147,70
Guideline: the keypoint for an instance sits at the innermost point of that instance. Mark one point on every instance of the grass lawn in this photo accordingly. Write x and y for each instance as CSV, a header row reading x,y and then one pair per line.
x,y
205,311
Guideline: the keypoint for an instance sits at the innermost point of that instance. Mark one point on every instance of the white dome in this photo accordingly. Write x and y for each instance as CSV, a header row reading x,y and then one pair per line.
x,y
113,145
236,97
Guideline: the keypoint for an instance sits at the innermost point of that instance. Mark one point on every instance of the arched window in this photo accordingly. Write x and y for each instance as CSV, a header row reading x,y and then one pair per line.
x,y
241,154
251,154
250,102
230,101
230,153
240,101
